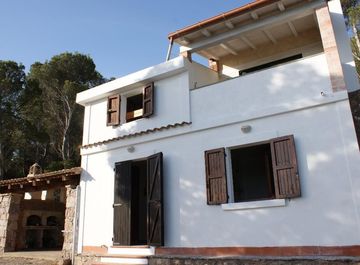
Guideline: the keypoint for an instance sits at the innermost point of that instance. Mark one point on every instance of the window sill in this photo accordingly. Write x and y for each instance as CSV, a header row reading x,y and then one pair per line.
x,y
253,204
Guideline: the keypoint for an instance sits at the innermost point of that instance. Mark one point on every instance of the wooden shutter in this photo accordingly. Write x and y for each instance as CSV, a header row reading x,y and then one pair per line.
x,y
122,204
286,177
148,100
113,110
216,186
155,221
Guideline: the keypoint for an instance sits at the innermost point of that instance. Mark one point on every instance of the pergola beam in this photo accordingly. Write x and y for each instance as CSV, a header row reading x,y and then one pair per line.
x,y
270,36
287,15
229,24
281,6
246,40
206,33
293,29
229,49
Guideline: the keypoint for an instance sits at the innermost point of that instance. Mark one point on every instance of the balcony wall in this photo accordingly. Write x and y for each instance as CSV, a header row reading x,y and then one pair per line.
x,y
300,84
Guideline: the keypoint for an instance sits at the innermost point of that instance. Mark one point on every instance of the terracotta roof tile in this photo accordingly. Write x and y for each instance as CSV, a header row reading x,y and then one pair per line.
x,y
131,135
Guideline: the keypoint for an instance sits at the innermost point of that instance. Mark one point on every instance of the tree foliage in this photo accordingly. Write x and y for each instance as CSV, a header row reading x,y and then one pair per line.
x,y
40,120
12,84
351,10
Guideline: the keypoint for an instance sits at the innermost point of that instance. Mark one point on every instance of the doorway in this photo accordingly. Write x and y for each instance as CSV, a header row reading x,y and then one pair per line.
x,y
138,202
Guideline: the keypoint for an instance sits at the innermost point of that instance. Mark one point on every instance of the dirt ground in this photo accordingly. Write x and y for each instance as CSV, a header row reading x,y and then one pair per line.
x,y
25,261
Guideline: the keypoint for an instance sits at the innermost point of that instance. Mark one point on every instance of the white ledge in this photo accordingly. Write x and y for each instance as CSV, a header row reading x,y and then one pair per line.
x,y
253,205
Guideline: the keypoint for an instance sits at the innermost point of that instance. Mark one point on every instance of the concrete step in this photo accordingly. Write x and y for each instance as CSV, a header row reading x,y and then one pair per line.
x,y
133,250
123,260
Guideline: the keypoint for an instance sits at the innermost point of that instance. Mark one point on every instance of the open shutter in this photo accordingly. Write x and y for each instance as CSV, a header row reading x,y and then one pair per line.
x,y
113,111
286,177
148,100
155,221
122,204
216,176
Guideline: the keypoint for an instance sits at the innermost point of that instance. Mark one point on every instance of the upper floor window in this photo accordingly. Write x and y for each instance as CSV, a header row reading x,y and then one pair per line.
x,y
136,106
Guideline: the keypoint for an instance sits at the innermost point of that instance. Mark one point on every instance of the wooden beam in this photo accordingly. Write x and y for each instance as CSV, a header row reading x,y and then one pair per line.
x,y
210,55
229,24
206,33
288,14
185,40
293,29
270,36
244,39
281,6
229,49
254,15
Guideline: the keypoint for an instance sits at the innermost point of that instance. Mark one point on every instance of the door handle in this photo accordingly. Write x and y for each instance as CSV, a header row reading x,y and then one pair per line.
x,y
117,204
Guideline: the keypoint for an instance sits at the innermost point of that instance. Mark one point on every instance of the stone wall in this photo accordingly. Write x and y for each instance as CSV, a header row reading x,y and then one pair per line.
x,y
69,222
9,216
251,261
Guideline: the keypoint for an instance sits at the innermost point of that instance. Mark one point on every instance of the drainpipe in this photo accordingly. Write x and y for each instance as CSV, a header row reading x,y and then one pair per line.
x,y
169,49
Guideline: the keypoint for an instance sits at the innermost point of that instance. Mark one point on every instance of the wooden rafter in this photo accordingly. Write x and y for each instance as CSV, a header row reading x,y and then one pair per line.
x,y
270,36
254,15
206,33
281,6
229,49
292,28
229,24
246,40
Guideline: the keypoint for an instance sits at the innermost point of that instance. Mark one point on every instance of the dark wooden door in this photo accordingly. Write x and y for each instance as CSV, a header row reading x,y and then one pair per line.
x,y
155,217
122,204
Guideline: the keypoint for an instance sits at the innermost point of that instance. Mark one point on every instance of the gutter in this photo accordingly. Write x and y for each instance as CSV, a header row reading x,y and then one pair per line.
x,y
219,18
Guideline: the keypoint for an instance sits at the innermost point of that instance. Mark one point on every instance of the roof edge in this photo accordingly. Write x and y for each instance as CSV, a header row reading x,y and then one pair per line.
x,y
221,17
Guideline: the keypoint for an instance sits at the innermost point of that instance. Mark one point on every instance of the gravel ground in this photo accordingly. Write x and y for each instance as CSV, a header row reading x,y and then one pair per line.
x,y
25,261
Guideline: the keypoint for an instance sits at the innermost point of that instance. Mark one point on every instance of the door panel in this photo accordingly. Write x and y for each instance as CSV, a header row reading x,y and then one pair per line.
x,y
155,226
122,204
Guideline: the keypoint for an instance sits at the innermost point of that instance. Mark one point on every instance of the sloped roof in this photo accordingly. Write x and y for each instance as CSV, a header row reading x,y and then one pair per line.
x,y
42,181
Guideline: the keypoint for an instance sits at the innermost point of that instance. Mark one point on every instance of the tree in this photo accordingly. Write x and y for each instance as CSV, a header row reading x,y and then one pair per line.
x,y
351,10
59,80
12,84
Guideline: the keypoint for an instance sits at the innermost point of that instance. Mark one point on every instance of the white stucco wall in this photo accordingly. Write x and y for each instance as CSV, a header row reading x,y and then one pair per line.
x,y
171,105
274,102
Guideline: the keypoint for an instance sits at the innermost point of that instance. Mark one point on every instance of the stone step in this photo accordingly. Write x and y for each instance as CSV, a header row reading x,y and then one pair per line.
x,y
136,250
124,260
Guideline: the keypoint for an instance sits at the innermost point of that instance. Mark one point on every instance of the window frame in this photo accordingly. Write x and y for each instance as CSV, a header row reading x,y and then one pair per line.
x,y
285,173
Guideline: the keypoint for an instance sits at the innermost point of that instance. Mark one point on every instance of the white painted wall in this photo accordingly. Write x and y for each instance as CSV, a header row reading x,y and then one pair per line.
x,y
171,106
278,101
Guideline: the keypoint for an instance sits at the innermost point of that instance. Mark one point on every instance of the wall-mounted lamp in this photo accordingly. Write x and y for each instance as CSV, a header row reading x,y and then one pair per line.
x,y
130,149
246,128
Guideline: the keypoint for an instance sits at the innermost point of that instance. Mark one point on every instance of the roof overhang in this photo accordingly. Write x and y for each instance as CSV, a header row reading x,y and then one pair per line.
x,y
253,25
43,181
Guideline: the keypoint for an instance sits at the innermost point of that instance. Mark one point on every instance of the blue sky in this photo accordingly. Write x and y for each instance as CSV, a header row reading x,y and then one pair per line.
x,y
122,36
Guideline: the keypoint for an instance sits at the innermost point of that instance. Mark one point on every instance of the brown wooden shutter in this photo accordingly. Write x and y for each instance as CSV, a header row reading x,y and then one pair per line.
x,y
286,177
113,111
148,100
216,186
155,223
122,204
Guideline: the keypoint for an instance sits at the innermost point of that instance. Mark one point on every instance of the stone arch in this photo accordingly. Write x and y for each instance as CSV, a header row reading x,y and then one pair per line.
x,y
33,220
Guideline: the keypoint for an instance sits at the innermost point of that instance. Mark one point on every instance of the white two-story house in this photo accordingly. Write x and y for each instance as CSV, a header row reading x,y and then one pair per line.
x,y
255,154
